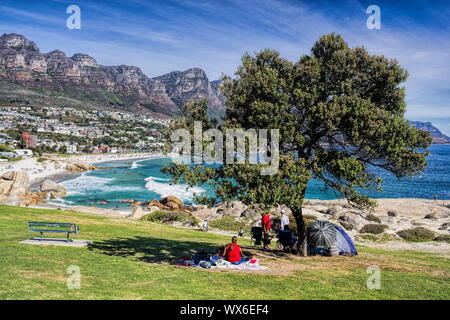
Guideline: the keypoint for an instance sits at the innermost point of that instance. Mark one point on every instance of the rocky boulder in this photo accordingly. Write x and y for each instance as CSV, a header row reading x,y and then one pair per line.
x,y
172,203
231,209
33,199
79,166
334,211
154,203
14,187
55,190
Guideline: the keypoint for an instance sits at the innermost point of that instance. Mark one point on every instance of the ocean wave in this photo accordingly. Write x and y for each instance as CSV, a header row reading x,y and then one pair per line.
x,y
62,202
163,187
136,164
85,183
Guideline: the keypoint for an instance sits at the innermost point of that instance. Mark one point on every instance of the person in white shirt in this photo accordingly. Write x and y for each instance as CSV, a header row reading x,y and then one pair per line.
x,y
284,220
205,226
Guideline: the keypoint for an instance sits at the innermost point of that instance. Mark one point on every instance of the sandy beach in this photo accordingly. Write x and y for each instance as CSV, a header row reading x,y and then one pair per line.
x,y
55,166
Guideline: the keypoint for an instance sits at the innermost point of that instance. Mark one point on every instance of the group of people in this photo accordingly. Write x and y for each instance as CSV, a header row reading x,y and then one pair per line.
x,y
286,237
233,253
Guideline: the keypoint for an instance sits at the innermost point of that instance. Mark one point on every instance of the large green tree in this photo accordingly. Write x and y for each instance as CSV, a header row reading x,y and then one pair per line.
x,y
340,115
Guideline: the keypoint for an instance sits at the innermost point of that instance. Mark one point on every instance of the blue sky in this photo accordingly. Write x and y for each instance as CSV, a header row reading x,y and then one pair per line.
x,y
167,35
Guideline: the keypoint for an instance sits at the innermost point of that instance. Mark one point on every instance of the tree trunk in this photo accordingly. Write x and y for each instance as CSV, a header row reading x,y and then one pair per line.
x,y
302,247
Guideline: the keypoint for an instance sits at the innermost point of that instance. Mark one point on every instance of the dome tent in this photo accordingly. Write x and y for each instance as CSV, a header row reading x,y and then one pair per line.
x,y
324,236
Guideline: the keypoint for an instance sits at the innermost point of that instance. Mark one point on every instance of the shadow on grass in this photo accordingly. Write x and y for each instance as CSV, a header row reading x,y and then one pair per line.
x,y
151,250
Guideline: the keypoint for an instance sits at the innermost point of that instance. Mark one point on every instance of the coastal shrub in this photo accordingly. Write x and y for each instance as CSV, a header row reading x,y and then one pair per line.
x,y
444,226
443,238
230,224
5,148
418,234
41,159
171,216
392,213
11,159
373,228
388,237
332,211
373,218
366,237
346,225
310,217
384,237
307,218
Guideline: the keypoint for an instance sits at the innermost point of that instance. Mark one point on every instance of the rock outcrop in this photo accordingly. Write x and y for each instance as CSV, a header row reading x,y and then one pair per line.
x,y
172,203
33,198
15,190
192,85
53,189
81,77
79,166
14,187
438,136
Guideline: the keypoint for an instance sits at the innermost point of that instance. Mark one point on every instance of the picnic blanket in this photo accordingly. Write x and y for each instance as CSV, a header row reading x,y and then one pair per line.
x,y
221,264
242,266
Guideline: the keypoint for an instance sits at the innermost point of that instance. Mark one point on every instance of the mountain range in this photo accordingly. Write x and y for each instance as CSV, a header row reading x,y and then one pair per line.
x,y
31,77
438,136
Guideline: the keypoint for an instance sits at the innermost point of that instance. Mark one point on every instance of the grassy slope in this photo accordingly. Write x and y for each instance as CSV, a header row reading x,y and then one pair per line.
x,y
130,260
70,95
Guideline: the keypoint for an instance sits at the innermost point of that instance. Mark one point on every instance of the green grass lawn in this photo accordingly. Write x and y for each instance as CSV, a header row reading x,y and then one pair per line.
x,y
135,260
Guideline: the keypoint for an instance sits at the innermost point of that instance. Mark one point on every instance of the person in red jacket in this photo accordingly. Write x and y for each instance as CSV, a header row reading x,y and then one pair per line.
x,y
266,226
233,252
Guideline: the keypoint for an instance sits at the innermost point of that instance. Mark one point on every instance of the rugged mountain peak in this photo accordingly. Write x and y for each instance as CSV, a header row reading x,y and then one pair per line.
x,y
84,60
436,134
17,42
56,54
191,84
83,78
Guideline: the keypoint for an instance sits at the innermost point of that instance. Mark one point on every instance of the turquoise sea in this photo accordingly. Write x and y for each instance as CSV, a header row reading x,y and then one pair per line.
x,y
142,180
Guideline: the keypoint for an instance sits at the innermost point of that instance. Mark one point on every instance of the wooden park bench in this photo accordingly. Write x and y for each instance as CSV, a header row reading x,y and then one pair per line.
x,y
55,227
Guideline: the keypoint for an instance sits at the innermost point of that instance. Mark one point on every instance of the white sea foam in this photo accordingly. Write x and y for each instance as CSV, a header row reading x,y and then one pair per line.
x,y
163,187
136,164
62,202
84,183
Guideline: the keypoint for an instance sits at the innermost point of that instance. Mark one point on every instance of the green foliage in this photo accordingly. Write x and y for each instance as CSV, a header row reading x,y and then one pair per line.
x,y
230,224
171,216
307,220
4,148
443,237
380,238
373,218
373,228
339,111
11,159
367,237
41,159
346,225
418,234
